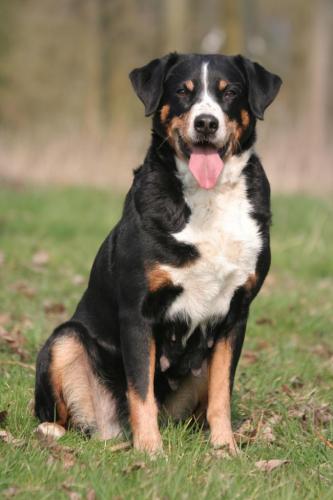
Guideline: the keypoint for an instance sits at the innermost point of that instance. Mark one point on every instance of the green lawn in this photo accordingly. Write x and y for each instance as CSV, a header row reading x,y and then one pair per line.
x,y
284,385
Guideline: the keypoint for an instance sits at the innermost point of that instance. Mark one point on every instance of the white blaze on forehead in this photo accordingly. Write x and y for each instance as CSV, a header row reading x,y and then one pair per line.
x,y
207,105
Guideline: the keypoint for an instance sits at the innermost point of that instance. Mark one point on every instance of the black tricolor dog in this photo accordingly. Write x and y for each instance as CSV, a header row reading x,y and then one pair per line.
x,y
162,322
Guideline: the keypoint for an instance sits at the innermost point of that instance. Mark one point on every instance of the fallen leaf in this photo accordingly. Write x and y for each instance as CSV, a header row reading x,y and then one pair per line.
x,y
322,350
267,434
286,389
40,258
8,438
73,495
322,414
264,321
91,495
249,357
50,431
63,454
5,318
15,340
54,307
269,465
23,288
78,279
10,492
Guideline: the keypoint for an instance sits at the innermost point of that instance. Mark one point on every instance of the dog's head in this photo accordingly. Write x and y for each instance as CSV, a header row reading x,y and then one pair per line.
x,y
206,106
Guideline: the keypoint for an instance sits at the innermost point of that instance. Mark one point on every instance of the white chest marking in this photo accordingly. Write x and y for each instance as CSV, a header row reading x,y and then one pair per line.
x,y
227,238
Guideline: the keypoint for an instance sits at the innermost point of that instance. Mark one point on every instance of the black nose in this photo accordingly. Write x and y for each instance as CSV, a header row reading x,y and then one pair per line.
x,y
206,124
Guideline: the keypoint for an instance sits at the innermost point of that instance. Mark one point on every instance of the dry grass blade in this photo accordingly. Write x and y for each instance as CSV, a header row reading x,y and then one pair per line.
x,y
121,446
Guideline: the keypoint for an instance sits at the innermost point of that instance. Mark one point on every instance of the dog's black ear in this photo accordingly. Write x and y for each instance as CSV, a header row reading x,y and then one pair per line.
x,y
148,81
263,86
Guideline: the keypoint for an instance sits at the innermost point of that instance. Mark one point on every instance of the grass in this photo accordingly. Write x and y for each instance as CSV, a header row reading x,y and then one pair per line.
x,y
283,382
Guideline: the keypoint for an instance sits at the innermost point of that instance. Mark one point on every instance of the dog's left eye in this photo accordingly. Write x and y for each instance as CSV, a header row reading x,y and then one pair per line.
x,y
229,94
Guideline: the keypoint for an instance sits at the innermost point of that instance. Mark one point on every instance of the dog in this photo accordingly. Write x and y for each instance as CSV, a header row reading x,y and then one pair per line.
x,y
161,324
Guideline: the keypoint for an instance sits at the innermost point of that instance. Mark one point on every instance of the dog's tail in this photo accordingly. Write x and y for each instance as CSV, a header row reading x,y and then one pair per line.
x,y
45,404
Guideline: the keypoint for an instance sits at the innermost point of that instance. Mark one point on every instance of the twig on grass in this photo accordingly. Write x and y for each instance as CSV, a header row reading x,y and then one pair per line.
x,y
17,363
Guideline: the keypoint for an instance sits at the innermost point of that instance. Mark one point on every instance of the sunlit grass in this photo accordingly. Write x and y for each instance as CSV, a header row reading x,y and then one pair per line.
x,y
289,335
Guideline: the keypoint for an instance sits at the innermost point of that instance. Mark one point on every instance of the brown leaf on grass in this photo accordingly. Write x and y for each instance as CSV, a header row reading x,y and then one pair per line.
x,y
322,350
269,465
40,258
3,416
246,433
8,438
23,288
12,491
64,454
318,415
262,345
54,307
78,279
91,495
267,434
5,318
249,357
15,340
2,258
264,321
322,414
74,495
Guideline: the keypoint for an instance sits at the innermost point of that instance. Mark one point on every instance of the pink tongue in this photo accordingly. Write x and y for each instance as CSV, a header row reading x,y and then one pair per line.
x,y
206,166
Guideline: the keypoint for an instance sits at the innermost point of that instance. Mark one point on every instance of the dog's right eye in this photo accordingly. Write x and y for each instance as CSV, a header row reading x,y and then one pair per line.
x,y
181,92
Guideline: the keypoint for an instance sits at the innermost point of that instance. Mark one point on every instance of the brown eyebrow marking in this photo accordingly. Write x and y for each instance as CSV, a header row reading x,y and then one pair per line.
x,y
223,84
189,85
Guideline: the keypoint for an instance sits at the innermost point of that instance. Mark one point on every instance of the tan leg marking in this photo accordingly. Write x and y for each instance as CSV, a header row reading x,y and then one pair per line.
x,y
190,398
219,413
78,393
143,414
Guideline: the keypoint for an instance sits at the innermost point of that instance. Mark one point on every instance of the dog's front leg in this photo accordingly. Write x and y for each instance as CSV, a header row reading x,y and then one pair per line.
x,y
139,359
221,372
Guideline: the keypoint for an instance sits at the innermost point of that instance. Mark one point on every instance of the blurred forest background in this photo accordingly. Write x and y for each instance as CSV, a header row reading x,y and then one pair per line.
x,y
67,111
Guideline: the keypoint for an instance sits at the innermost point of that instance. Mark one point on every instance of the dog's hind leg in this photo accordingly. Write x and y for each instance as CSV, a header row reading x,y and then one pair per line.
x,y
77,393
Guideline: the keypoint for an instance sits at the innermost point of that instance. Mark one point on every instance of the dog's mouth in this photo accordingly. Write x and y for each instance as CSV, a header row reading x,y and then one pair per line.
x,y
205,161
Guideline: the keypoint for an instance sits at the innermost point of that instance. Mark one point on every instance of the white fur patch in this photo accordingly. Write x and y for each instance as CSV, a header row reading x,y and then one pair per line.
x,y
227,238
207,105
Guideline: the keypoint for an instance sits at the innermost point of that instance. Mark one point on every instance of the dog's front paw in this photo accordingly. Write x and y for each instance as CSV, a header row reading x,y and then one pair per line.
x,y
225,440
148,443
